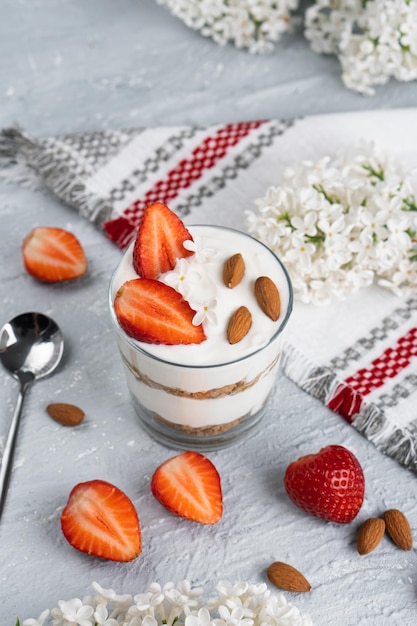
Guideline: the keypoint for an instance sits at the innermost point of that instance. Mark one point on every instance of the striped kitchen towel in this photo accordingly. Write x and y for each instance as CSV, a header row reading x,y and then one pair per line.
x,y
359,356
111,176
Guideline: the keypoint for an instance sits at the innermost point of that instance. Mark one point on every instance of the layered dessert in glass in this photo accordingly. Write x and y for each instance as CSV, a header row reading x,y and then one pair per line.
x,y
199,328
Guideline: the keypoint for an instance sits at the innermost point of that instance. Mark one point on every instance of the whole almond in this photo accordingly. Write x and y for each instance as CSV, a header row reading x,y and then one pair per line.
x,y
267,296
233,270
65,414
287,577
370,534
239,325
398,528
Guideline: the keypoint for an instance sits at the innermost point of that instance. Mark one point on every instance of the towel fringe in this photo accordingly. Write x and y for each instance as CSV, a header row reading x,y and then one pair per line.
x,y
316,380
14,141
17,150
393,440
28,161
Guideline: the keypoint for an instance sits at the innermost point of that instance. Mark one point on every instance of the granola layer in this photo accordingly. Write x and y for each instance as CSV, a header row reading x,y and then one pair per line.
x,y
217,392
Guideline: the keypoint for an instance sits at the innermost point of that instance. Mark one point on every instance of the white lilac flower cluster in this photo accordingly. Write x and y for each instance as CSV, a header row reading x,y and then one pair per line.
x,y
342,224
375,40
239,604
245,23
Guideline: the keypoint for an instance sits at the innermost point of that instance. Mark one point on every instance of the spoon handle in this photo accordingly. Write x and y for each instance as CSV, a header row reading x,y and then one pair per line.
x,y
6,462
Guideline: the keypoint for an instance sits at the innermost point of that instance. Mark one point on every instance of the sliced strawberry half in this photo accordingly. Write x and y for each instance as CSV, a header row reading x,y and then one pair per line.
x,y
53,254
153,312
189,486
101,520
159,242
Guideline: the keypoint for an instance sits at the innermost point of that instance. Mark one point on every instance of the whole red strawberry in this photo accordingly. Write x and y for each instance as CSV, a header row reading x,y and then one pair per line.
x,y
329,484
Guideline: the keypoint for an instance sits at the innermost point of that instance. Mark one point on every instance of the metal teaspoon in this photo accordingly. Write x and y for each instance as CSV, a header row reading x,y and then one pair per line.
x,y
31,347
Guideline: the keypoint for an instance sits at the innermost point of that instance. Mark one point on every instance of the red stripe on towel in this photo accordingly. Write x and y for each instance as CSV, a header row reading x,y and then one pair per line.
x,y
212,149
348,397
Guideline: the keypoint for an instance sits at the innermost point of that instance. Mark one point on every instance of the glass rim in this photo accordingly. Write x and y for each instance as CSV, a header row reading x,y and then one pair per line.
x,y
137,345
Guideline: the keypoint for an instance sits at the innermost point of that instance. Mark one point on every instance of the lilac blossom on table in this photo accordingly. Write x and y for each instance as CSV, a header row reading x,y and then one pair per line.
x,y
237,604
342,224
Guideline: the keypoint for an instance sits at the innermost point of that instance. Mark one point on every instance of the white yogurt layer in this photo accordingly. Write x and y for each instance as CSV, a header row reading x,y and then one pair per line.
x,y
213,383
201,283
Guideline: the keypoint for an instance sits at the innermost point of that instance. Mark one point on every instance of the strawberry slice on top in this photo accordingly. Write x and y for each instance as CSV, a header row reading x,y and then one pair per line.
x,y
53,254
159,241
154,312
99,519
189,485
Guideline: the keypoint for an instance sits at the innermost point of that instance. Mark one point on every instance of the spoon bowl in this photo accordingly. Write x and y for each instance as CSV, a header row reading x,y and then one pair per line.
x,y
31,344
31,347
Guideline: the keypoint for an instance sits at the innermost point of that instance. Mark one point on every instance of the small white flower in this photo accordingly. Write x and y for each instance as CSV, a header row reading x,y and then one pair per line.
x,y
182,602
181,278
146,601
374,222
201,252
305,225
203,618
337,252
225,588
101,616
300,252
398,236
234,617
75,613
403,281
109,595
205,312
185,588
277,611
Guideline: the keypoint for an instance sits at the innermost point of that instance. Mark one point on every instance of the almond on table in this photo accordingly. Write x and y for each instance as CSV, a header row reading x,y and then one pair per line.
x,y
398,528
287,577
65,413
370,534
53,255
